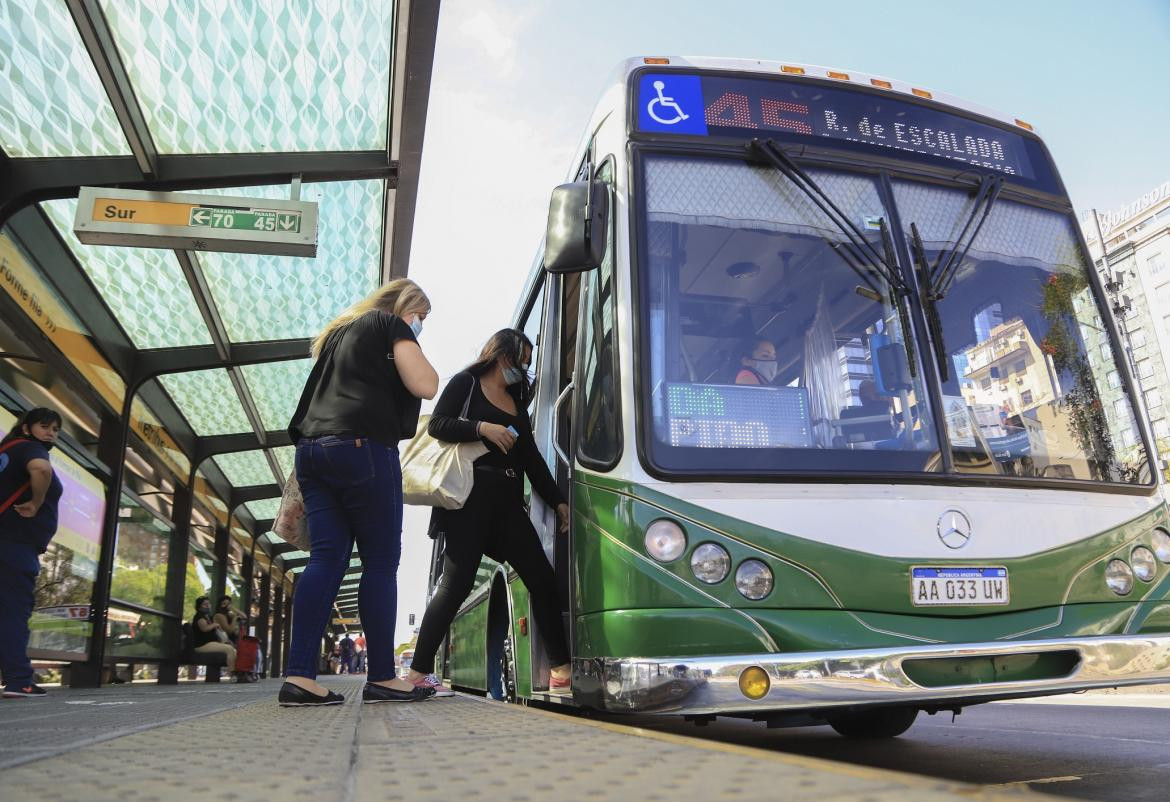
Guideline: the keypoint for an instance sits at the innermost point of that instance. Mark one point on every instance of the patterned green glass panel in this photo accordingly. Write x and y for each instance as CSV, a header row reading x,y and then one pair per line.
x,y
264,509
238,77
144,287
276,388
245,468
286,458
281,297
51,101
208,401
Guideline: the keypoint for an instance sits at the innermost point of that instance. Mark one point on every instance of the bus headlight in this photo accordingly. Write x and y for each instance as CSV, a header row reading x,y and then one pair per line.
x,y
665,540
753,579
1119,577
710,563
1161,542
1143,562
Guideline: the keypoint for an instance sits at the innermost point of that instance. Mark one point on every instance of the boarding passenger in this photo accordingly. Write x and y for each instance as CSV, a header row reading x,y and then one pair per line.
x,y
362,397
229,619
29,492
494,521
210,637
345,655
757,363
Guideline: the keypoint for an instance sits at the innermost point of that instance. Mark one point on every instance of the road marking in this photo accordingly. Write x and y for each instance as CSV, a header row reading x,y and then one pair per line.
x,y
1003,731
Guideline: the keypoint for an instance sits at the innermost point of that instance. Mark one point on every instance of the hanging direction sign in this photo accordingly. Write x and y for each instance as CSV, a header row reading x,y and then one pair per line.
x,y
191,222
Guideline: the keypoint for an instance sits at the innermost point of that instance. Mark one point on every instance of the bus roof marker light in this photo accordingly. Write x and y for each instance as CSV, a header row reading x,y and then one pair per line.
x,y
1024,125
840,76
784,68
922,93
649,60
665,540
880,84
754,683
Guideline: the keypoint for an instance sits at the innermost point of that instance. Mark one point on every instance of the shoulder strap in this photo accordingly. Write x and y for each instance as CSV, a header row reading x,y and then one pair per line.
x,y
20,491
470,392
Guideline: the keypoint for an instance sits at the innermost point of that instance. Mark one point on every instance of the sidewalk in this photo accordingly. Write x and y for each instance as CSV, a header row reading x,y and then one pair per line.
x,y
234,742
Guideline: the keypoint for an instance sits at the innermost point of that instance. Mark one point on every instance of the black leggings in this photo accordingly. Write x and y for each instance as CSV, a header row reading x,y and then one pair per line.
x,y
492,522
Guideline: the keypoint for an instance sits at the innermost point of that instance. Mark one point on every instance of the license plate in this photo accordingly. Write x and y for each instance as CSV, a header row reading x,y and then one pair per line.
x,y
958,585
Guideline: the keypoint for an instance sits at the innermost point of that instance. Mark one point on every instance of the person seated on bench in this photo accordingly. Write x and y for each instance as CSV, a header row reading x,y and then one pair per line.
x,y
229,619
209,637
757,363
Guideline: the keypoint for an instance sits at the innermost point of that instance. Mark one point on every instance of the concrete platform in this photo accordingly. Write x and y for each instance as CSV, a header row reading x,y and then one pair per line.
x,y
233,742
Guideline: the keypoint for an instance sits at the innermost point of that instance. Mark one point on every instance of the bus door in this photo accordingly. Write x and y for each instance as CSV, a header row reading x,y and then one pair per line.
x,y
556,340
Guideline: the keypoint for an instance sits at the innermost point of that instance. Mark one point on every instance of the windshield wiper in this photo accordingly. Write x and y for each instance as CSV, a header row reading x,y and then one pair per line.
x,y
861,249
884,265
947,265
929,301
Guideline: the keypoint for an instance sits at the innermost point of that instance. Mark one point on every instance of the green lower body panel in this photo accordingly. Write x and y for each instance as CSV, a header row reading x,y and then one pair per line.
x,y
715,631
468,652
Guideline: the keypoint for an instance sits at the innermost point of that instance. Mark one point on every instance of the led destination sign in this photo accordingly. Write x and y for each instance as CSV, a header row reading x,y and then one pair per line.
x,y
719,106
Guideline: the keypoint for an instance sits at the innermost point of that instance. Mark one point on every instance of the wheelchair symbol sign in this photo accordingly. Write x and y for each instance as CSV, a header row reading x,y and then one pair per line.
x,y
665,105
671,104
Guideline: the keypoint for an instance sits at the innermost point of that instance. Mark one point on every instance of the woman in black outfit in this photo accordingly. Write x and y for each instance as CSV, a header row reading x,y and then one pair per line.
x,y
494,521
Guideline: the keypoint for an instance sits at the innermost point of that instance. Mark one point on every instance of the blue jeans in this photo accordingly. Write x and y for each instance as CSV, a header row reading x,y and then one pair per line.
x,y
353,493
19,566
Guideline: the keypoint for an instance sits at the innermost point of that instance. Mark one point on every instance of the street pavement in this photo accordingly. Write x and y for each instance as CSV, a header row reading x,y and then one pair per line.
x,y
1088,746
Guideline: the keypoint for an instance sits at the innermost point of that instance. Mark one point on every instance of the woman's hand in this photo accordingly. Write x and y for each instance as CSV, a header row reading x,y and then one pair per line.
x,y
563,518
497,434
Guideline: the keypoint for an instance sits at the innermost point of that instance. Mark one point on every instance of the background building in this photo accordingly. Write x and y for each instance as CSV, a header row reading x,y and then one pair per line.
x,y
1130,248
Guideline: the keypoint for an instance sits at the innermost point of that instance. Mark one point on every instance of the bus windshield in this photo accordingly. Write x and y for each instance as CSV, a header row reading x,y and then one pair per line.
x,y
774,346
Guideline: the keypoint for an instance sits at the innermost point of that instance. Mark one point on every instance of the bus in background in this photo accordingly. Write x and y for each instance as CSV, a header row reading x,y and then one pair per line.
x,y
933,488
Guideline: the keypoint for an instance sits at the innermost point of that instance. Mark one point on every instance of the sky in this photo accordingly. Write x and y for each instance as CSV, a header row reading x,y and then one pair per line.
x,y
514,84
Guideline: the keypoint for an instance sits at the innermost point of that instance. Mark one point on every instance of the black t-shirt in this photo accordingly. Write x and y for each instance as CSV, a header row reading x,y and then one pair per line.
x,y
38,530
198,634
524,457
354,389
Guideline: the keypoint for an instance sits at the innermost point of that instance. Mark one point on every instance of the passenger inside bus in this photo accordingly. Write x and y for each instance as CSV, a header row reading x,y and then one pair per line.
x,y
757,363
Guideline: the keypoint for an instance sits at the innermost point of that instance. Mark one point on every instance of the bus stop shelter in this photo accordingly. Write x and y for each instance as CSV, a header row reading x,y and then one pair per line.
x,y
177,370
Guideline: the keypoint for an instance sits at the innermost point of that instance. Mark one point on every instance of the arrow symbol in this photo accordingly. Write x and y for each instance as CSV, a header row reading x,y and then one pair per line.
x,y
287,222
199,216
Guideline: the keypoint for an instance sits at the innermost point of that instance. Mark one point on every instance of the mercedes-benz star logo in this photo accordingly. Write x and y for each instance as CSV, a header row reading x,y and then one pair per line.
x,y
954,530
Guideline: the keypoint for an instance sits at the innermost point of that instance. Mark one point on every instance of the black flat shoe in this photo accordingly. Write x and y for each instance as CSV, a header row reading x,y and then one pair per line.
x,y
296,696
372,694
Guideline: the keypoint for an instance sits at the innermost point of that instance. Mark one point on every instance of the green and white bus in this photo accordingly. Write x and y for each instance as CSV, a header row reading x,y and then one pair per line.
x,y
939,491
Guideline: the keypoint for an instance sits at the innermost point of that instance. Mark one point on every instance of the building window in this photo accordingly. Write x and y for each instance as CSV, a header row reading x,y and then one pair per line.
x,y
1106,354
1153,399
1155,264
1121,408
1026,398
1128,436
1145,368
985,384
1161,429
1137,339
1114,379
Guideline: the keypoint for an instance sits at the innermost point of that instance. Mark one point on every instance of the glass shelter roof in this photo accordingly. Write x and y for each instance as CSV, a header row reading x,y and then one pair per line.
x,y
316,99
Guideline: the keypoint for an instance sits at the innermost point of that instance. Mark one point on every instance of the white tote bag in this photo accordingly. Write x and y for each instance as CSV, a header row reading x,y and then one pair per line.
x,y
436,473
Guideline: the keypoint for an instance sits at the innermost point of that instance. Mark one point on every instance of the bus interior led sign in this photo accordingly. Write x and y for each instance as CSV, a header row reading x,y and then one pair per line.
x,y
670,103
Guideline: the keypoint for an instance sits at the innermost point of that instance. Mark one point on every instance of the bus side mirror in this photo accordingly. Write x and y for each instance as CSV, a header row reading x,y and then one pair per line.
x,y
578,218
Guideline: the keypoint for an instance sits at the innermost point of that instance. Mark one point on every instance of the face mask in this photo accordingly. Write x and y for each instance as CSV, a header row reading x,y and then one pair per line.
x,y
416,326
766,368
512,375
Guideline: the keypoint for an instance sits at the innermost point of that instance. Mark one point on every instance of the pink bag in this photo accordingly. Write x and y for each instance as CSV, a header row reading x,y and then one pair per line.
x,y
290,522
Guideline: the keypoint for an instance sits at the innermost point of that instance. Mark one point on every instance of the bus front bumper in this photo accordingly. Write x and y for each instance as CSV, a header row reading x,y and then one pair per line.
x,y
931,676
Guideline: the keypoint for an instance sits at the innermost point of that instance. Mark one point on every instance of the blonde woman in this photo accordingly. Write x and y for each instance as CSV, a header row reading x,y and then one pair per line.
x,y
362,397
